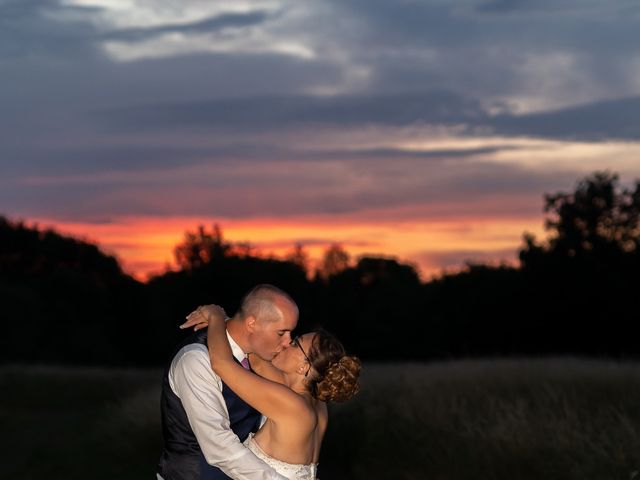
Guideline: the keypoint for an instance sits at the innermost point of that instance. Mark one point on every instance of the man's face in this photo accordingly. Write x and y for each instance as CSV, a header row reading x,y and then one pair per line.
x,y
296,356
270,338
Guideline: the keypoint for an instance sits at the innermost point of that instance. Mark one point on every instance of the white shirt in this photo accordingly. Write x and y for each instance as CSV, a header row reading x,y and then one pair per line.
x,y
200,391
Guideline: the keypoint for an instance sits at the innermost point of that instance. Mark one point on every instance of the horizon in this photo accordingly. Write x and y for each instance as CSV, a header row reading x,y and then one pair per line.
x,y
161,240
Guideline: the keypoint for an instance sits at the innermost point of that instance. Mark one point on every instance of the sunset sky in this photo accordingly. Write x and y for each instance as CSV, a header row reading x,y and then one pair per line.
x,y
423,130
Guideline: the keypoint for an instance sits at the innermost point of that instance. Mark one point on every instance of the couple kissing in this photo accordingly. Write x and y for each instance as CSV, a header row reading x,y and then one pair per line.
x,y
242,399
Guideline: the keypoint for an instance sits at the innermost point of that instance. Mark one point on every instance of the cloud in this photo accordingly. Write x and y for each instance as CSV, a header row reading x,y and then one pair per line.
x,y
506,52
34,30
397,153
611,119
255,130
377,50
599,121
402,187
275,112
58,164
208,25
511,6
78,162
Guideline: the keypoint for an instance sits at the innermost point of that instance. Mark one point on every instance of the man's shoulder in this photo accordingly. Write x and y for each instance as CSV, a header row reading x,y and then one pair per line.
x,y
192,355
191,350
192,362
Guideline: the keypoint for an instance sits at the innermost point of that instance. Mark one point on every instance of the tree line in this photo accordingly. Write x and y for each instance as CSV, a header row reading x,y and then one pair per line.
x,y
575,292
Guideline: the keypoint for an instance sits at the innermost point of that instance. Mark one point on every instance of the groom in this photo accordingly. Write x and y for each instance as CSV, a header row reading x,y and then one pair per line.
x,y
203,421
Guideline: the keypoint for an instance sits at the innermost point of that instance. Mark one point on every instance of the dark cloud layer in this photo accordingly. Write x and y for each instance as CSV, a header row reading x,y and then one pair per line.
x,y
77,115
615,119
287,111
436,188
599,121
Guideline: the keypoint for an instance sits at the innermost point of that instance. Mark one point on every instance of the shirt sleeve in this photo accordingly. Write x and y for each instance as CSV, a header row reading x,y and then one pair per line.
x,y
200,391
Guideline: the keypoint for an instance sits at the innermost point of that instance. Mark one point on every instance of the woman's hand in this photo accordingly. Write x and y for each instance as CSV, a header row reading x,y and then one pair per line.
x,y
204,316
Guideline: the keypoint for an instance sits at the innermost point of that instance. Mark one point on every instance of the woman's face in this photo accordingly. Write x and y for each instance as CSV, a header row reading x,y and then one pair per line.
x,y
295,357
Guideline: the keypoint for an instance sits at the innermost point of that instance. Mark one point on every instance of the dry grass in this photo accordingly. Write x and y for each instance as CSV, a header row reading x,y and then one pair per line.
x,y
526,419
492,420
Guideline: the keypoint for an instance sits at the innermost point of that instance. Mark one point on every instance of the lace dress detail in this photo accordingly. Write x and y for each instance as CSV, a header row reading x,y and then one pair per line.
x,y
290,470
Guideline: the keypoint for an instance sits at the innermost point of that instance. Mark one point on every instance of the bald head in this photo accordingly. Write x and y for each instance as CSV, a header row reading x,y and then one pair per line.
x,y
267,303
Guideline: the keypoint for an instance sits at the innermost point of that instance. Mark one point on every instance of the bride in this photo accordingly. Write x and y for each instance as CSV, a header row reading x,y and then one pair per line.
x,y
291,391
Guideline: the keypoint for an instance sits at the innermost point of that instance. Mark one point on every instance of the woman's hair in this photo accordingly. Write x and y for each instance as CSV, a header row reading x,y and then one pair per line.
x,y
337,373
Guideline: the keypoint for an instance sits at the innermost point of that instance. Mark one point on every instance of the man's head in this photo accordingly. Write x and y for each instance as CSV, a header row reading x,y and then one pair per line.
x,y
268,316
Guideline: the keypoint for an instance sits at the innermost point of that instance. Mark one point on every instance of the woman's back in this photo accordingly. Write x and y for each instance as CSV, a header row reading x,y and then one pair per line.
x,y
295,438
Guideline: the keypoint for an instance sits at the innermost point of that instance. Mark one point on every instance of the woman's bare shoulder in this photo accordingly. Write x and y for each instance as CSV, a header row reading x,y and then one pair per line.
x,y
298,410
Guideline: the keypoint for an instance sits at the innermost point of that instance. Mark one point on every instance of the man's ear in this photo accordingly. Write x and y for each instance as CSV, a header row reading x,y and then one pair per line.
x,y
250,322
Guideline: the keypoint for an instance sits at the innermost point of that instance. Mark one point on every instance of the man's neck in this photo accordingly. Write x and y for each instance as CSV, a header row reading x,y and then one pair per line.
x,y
236,330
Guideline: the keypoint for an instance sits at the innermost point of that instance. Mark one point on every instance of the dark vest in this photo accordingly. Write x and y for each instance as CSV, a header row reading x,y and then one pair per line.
x,y
181,457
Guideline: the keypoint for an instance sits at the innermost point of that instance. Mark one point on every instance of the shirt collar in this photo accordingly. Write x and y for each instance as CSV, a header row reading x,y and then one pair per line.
x,y
235,348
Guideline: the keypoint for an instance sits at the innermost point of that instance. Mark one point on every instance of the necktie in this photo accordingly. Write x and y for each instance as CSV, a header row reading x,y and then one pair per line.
x,y
245,363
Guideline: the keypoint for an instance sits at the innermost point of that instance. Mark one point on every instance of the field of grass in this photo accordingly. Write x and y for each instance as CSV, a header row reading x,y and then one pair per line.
x,y
492,420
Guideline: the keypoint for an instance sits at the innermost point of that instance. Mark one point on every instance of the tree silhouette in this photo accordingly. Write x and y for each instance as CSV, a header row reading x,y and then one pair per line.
x,y
201,247
599,220
72,299
298,256
587,271
335,260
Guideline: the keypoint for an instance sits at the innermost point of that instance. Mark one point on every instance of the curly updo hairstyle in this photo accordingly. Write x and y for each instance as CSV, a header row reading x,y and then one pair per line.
x,y
337,373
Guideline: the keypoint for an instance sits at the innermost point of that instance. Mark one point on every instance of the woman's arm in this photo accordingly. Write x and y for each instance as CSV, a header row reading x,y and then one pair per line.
x,y
272,399
265,369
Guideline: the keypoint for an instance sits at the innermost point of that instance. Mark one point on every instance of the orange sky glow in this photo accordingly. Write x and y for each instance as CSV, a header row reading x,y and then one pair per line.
x,y
144,246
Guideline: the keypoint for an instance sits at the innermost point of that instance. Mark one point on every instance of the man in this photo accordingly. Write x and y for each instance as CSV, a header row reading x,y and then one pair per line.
x,y
203,421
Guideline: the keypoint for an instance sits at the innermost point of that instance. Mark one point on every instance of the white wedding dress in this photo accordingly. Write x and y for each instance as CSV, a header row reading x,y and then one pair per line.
x,y
290,470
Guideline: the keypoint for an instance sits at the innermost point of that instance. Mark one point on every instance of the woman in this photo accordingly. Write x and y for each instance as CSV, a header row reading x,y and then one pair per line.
x,y
291,391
